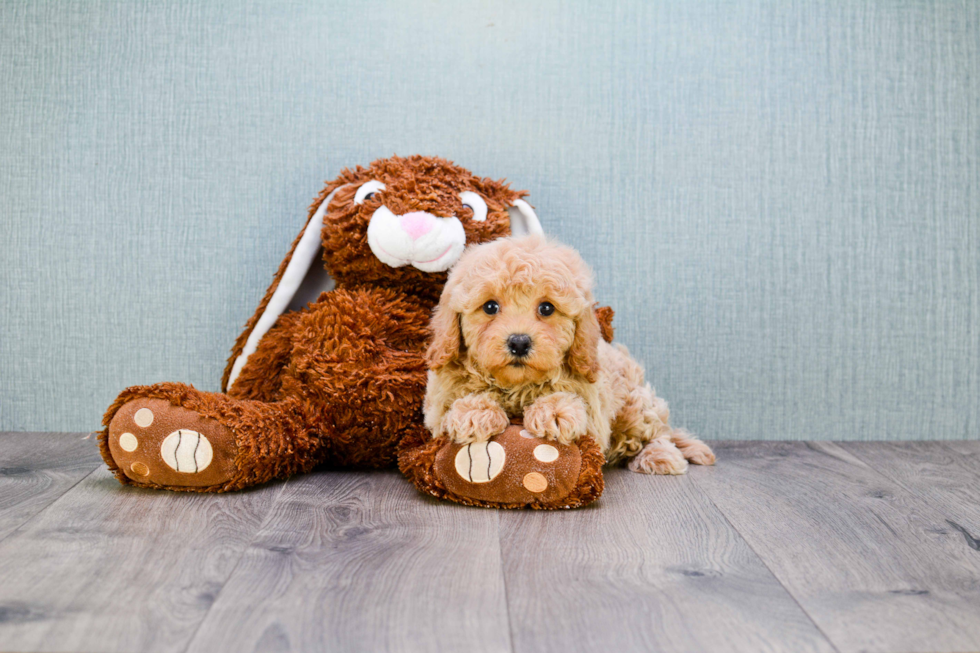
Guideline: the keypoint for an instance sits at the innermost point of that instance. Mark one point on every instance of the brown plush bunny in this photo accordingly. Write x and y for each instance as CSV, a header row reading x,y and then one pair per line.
x,y
334,378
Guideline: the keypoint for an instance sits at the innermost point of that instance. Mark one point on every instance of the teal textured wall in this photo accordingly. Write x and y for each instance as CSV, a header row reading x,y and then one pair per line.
x,y
780,199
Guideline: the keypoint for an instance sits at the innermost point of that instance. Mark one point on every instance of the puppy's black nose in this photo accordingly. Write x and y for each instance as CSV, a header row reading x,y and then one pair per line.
x,y
519,344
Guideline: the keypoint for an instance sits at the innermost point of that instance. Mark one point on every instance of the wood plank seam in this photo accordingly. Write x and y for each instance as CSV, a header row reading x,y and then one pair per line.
x,y
238,562
503,579
971,541
658,568
764,562
897,480
879,569
50,503
354,561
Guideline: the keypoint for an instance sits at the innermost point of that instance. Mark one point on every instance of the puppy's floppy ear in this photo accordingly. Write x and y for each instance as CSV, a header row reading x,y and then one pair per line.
x,y
447,340
583,355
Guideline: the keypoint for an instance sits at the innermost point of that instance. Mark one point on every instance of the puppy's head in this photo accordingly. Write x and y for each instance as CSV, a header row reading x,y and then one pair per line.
x,y
520,310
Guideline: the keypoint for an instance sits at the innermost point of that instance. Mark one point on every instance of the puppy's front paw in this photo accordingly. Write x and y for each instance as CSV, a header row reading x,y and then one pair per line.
x,y
474,418
561,416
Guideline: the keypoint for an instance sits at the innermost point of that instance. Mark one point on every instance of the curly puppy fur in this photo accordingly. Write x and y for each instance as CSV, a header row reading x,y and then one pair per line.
x,y
569,383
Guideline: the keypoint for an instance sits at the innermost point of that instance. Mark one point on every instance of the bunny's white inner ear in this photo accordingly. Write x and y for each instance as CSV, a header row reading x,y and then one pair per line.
x,y
301,283
523,220
316,281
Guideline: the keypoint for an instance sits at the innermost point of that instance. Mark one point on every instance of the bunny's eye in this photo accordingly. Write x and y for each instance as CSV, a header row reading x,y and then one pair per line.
x,y
476,203
367,191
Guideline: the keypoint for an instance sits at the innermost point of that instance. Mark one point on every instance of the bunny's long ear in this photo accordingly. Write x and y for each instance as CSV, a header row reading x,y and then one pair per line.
x,y
300,279
523,220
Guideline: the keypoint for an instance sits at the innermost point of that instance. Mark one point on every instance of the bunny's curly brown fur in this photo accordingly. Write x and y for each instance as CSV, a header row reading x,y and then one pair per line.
x,y
339,382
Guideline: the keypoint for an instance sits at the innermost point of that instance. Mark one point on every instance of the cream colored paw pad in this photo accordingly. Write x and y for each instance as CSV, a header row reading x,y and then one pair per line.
x,y
186,451
525,434
535,482
480,462
128,442
546,453
143,417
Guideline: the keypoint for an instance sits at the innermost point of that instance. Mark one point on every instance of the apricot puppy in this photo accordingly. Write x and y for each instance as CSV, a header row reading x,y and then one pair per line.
x,y
515,334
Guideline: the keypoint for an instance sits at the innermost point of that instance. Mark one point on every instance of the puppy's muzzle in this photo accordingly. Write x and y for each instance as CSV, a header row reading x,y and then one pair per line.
x,y
519,344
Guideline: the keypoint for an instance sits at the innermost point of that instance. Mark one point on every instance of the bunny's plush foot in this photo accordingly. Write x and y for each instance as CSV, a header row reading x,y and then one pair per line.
x,y
513,469
154,443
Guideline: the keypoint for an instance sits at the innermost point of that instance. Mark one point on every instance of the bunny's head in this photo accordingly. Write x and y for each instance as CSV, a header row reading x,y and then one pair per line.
x,y
398,223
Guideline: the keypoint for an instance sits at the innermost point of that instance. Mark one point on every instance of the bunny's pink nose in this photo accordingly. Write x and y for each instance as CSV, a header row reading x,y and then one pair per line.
x,y
417,223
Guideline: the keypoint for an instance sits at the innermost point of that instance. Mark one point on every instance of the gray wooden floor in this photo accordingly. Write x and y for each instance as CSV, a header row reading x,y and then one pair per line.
x,y
781,547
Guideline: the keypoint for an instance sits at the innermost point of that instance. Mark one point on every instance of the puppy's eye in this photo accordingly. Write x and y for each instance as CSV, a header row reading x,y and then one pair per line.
x,y
545,309
367,191
478,205
491,307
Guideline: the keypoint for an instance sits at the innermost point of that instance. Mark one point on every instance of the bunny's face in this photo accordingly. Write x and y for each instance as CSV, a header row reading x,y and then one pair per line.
x,y
407,220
